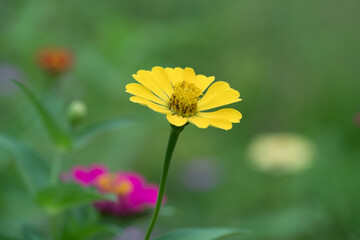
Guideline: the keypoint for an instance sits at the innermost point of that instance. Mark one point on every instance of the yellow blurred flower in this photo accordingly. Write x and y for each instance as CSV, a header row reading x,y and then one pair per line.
x,y
181,95
282,152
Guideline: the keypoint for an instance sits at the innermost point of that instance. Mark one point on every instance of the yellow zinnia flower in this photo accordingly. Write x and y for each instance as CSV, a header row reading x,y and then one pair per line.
x,y
184,96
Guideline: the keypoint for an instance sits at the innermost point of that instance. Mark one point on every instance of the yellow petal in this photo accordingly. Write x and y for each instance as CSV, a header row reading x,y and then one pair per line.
x,y
176,120
149,104
220,123
189,75
202,82
176,75
163,80
146,79
140,100
199,121
139,90
228,114
220,99
213,90
158,108
216,88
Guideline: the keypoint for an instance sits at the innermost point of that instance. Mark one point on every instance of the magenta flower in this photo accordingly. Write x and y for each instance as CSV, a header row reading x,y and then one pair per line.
x,y
86,176
134,194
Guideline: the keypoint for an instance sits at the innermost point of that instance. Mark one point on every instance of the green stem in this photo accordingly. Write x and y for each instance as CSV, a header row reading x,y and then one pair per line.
x,y
174,135
55,168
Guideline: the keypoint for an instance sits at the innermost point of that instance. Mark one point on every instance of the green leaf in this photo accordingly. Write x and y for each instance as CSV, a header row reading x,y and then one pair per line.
x,y
95,130
84,223
61,140
30,234
3,237
33,169
201,234
92,231
55,199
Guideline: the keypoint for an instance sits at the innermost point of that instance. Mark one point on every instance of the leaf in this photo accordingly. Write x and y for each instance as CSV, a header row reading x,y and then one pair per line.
x,y
84,223
99,128
61,140
55,199
33,169
30,234
201,234
92,231
3,237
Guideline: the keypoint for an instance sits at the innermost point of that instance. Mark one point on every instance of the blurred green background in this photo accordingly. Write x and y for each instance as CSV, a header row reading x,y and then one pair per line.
x,y
295,63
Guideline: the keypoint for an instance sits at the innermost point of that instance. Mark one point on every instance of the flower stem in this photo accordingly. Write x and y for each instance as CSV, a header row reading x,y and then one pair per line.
x,y
55,168
174,135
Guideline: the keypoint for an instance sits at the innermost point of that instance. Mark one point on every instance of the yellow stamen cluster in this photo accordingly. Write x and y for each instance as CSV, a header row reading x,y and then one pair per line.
x,y
106,182
109,183
124,187
183,101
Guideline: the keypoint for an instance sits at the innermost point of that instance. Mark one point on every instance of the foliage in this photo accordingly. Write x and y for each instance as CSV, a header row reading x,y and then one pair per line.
x,y
201,234
295,64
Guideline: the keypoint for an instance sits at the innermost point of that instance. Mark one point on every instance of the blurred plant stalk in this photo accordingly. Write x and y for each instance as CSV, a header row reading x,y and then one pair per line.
x,y
55,168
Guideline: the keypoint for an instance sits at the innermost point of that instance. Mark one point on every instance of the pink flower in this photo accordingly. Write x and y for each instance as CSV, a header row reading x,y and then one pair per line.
x,y
134,194
87,175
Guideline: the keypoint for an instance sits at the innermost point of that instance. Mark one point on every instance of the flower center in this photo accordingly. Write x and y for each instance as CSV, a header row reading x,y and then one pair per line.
x,y
111,184
124,188
183,101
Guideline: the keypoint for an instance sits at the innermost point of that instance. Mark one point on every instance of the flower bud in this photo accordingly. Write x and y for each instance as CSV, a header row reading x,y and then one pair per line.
x,y
76,111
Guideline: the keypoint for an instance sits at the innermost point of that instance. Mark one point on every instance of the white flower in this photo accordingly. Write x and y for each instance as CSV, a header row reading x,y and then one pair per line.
x,y
281,152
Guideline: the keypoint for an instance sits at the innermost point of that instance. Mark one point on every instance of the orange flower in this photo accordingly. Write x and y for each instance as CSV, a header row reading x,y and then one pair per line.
x,y
56,60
